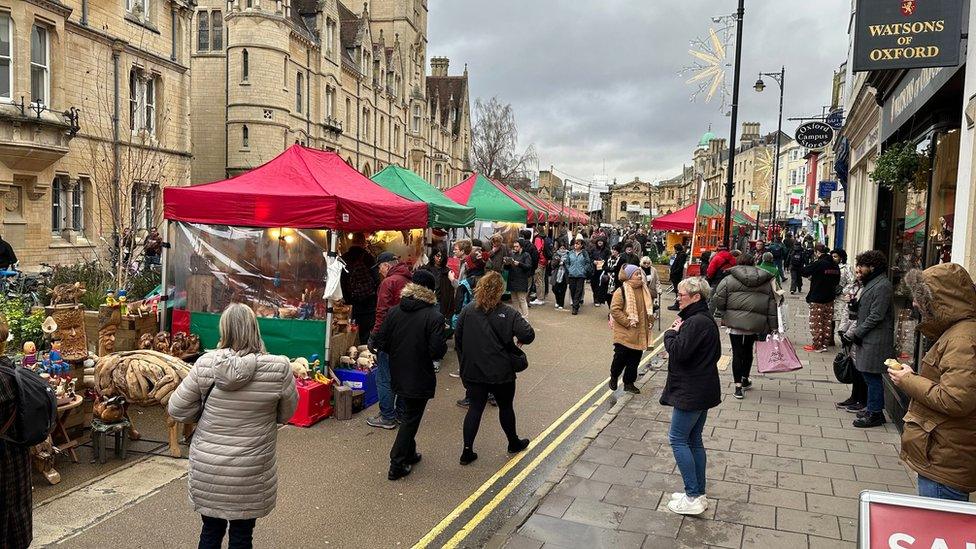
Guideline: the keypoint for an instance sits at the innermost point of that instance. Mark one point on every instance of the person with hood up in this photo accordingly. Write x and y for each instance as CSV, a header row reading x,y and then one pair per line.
x,y
578,268
718,264
939,437
560,278
768,264
745,302
237,395
599,254
632,316
692,388
395,276
873,334
413,336
486,332
519,266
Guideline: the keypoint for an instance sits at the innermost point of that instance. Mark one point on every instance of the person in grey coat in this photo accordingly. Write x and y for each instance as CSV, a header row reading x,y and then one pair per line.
x,y
238,395
873,336
745,301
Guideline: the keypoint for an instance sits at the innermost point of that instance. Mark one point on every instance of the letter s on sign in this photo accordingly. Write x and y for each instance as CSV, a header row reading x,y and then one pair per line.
x,y
895,539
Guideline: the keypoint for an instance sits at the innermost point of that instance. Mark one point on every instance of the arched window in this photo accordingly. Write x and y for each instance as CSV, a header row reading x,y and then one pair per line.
x,y
647,205
366,171
245,137
348,115
245,66
623,205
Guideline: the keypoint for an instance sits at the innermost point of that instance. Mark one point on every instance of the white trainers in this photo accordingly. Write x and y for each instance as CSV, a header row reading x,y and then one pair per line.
x,y
678,495
537,302
688,506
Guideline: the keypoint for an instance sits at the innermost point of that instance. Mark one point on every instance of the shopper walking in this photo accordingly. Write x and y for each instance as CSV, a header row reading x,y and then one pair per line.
x,y
237,395
745,302
544,249
632,317
486,336
444,279
676,272
799,257
519,267
873,336
16,529
779,252
824,282
599,255
413,337
395,276
692,388
560,277
939,438
718,265
768,264
578,267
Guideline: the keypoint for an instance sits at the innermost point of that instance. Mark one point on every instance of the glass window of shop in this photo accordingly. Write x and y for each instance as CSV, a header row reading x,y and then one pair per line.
x,y
922,226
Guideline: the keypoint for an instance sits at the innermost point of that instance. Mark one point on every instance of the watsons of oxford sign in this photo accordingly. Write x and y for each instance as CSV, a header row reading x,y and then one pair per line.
x,y
907,34
814,135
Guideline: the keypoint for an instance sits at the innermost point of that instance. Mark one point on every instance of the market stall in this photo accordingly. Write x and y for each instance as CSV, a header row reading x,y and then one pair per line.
x,y
442,211
266,238
490,202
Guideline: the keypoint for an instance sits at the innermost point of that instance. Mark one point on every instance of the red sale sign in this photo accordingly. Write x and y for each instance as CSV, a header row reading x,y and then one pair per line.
x,y
898,521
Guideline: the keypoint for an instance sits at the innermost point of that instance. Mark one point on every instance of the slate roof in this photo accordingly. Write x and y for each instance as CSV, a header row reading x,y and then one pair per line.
x,y
447,92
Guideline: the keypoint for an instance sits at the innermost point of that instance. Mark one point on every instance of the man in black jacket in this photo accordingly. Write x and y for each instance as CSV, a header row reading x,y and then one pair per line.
x,y
7,256
413,335
677,272
824,277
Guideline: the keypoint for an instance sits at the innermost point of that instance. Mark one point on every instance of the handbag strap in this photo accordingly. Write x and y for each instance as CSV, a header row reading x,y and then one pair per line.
x,y
779,308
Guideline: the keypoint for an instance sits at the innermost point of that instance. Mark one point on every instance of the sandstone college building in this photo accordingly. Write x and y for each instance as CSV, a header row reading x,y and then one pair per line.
x,y
329,75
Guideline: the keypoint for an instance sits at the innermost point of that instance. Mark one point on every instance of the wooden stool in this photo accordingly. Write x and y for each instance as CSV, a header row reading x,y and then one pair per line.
x,y
100,431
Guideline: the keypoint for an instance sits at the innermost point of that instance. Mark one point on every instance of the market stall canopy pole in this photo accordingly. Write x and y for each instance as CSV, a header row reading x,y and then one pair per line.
x,y
489,202
300,188
442,211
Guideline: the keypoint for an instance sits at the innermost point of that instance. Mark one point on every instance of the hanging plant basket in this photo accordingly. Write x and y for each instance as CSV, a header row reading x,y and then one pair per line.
x,y
902,168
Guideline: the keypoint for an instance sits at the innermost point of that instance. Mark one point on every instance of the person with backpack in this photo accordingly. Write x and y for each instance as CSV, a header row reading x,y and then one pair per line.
x,y
631,320
799,257
579,267
28,412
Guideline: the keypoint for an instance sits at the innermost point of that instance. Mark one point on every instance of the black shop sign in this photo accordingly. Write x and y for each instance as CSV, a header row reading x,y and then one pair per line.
x,y
814,135
907,34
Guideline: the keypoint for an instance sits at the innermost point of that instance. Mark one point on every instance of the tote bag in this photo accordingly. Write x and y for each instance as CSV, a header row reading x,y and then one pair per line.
x,y
776,353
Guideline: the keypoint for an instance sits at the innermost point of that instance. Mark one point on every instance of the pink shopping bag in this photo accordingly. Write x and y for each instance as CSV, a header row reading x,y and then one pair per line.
x,y
776,354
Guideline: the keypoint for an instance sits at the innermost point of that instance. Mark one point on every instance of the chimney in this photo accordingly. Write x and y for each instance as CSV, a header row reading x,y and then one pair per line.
x,y
439,65
750,133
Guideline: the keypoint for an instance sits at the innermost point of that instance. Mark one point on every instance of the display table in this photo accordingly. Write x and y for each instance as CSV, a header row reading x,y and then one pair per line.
x,y
68,444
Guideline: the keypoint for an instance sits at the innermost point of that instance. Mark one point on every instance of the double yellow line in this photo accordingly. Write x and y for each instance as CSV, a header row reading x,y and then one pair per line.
x,y
489,507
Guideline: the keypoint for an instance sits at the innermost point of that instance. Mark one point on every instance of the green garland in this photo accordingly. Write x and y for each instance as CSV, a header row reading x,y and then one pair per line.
x,y
901,168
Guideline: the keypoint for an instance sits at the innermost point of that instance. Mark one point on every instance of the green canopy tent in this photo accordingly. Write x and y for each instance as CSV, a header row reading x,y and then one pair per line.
x,y
442,212
489,201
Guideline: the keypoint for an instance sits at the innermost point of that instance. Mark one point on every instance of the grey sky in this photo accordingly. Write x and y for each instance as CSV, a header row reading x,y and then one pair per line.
x,y
596,80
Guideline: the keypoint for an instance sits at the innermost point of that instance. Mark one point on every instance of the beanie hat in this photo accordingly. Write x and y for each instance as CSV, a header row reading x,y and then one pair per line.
x,y
629,271
424,278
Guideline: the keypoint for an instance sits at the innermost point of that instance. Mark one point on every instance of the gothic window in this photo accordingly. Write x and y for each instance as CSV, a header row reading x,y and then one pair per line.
x,y
245,65
348,114
58,200
245,137
298,92
203,31
217,31
416,118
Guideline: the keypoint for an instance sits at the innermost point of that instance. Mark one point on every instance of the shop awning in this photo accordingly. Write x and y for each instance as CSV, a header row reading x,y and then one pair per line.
x,y
442,211
489,201
300,188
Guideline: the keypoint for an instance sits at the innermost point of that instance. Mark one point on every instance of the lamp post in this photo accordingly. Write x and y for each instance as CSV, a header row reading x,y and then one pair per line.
x,y
734,115
780,78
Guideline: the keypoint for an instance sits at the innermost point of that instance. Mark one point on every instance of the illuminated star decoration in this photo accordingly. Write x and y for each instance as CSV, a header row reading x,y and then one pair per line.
x,y
710,64
763,179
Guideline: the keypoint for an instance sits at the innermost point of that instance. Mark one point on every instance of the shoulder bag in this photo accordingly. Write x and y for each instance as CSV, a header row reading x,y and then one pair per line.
x,y
516,356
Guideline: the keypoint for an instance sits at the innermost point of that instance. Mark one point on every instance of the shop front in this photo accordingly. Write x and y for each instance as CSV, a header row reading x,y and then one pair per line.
x,y
920,116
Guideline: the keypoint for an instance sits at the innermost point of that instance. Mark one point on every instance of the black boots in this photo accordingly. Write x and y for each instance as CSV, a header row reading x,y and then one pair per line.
x,y
869,419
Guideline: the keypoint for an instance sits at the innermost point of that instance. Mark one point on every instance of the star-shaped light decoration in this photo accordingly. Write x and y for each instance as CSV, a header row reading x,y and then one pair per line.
x,y
710,66
763,174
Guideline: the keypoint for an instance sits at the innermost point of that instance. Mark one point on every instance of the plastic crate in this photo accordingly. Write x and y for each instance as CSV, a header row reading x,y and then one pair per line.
x,y
314,404
364,381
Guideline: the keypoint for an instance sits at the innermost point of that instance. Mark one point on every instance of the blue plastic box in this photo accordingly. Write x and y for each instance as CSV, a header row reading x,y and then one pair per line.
x,y
364,381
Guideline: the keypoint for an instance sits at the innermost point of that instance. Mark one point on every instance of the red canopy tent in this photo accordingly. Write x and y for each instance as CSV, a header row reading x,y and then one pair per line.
x,y
681,220
300,188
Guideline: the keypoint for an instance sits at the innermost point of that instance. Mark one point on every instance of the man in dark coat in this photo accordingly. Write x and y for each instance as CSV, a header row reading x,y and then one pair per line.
x,y
824,278
395,275
519,267
7,256
413,336
358,282
798,259
677,272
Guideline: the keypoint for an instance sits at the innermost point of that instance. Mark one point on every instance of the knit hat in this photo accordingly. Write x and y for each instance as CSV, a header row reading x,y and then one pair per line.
x,y
424,278
629,270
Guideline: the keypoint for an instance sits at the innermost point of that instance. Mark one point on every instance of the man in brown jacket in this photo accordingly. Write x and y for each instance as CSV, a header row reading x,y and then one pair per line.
x,y
939,440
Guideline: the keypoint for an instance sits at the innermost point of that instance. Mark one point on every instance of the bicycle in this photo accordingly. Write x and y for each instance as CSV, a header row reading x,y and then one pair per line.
x,y
30,289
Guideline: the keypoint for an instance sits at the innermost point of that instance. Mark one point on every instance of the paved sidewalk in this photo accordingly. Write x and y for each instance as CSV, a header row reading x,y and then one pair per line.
x,y
784,469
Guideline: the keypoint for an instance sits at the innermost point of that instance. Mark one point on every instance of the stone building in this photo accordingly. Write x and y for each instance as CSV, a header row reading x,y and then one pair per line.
x,y
94,121
630,203
677,192
271,73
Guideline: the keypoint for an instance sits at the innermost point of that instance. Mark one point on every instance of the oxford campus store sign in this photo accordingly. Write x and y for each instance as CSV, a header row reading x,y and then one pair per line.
x,y
907,34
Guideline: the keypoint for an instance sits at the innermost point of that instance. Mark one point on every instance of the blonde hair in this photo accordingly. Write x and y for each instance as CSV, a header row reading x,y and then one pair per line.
x,y
239,330
646,261
488,292
696,285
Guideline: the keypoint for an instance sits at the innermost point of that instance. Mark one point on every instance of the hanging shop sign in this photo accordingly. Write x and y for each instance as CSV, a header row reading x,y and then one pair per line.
x,y
835,119
837,202
897,520
825,188
814,135
907,34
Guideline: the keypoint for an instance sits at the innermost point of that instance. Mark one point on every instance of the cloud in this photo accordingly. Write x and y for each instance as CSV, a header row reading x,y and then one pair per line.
x,y
595,82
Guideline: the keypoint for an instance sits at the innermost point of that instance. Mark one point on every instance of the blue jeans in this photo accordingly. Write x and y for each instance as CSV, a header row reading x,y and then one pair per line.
x,y
685,436
932,489
390,406
875,401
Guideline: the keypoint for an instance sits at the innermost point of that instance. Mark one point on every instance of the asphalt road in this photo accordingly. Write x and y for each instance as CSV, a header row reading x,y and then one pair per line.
x,y
333,490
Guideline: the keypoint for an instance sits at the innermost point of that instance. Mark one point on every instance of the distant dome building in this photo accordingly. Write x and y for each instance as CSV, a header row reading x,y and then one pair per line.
x,y
708,136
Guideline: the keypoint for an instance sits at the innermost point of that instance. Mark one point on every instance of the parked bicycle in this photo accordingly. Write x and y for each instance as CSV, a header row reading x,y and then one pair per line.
x,y
30,289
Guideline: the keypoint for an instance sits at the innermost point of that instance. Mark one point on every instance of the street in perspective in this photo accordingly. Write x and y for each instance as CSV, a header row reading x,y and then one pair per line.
x,y
506,275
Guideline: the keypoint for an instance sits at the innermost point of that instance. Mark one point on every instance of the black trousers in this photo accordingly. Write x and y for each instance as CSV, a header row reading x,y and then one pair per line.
x,y
796,280
599,291
576,285
559,290
405,445
859,388
213,531
625,360
742,347
504,396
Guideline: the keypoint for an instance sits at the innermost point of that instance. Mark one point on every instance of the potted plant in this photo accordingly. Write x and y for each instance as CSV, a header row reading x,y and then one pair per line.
x,y
902,168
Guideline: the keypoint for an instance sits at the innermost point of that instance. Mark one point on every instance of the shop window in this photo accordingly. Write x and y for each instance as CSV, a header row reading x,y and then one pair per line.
x,y
6,55
40,66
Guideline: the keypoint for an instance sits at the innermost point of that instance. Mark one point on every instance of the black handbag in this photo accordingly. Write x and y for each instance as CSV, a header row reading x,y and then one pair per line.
x,y
516,356
844,366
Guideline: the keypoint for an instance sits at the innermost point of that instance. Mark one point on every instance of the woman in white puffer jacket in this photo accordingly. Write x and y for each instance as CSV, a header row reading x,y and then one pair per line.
x,y
240,394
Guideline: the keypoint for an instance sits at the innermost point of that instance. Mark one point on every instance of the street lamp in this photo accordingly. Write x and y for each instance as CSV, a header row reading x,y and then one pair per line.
x,y
780,78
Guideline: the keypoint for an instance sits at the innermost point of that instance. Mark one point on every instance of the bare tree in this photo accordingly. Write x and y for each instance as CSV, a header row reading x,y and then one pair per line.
x,y
494,143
